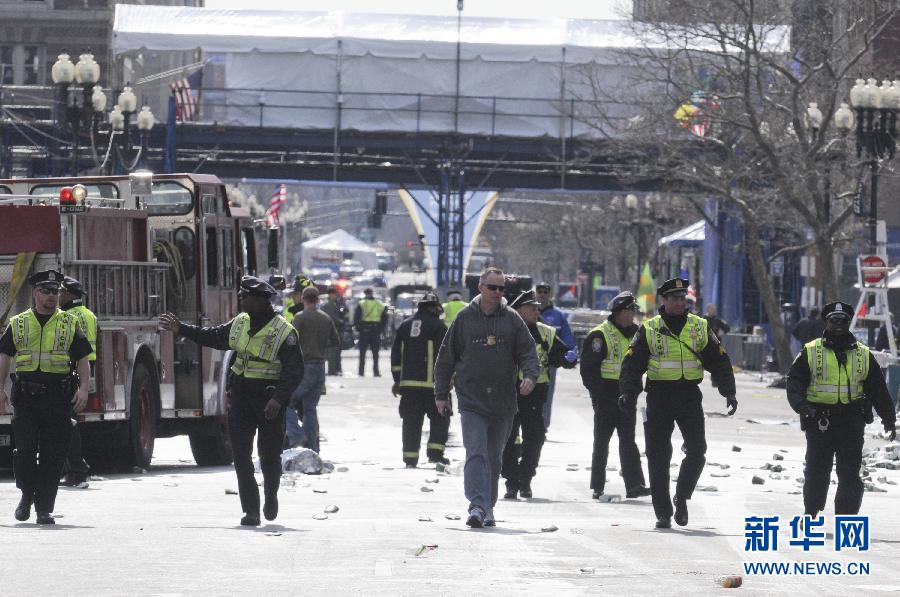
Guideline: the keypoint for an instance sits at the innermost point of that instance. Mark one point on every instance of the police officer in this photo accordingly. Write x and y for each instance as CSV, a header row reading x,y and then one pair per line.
x,y
674,348
369,319
520,461
832,385
71,300
293,304
601,364
44,342
412,365
453,306
267,368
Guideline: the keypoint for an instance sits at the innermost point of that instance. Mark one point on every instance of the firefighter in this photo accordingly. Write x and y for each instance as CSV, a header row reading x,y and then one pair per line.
x,y
520,460
71,300
266,371
832,385
453,306
601,364
369,319
674,348
412,365
45,343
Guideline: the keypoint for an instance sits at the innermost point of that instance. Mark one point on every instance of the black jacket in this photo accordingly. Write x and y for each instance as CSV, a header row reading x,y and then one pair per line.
x,y
593,353
713,356
290,355
415,350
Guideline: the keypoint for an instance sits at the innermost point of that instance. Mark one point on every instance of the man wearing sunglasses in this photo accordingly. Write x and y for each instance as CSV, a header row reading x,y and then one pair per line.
x,y
45,342
483,351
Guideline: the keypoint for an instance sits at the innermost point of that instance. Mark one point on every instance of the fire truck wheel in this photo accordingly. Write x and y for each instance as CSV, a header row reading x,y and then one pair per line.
x,y
144,415
212,450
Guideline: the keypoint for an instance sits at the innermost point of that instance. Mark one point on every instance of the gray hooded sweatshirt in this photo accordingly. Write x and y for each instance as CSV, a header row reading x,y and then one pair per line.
x,y
486,374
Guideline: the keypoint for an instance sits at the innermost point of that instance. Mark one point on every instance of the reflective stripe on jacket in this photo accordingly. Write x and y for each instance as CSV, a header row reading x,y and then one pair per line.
x,y
45,349
88,323
257,356
616,345
548,335
670,359
829,382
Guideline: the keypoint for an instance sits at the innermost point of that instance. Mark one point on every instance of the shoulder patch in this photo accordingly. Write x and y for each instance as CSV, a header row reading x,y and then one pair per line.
x,y
597,344
291,340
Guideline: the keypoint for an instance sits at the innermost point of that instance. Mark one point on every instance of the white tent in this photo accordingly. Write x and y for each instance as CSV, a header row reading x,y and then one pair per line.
x,y
689,236
334,247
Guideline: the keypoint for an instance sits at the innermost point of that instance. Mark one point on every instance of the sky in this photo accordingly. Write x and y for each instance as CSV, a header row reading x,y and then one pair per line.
x,y
573,9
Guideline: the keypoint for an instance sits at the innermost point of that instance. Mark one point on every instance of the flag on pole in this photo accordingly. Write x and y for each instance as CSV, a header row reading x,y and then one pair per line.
x,y
646,294
185,91
279,198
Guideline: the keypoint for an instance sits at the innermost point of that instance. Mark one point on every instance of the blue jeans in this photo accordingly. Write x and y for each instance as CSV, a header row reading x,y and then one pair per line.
x,y
307,397
483,438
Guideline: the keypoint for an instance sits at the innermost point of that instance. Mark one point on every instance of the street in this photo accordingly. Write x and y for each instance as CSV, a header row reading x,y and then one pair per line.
x,y
174,530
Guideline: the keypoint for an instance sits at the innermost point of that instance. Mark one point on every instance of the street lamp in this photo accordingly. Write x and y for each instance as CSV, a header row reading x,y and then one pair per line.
x,y
85,74
876,133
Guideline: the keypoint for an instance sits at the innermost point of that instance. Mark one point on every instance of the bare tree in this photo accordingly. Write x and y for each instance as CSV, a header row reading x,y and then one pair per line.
x,y
718,105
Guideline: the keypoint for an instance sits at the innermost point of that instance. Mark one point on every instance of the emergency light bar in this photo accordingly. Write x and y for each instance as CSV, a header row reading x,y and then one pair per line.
x,y
71,199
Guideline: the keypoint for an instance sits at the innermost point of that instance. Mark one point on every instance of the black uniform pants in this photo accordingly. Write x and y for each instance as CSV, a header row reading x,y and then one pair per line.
x,y
246,419
520,461
842,445
414,406
41,424
369,339
76,468
665,409
608,418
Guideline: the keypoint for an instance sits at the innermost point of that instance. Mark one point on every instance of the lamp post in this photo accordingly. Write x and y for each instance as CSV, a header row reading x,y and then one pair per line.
x,y
876,134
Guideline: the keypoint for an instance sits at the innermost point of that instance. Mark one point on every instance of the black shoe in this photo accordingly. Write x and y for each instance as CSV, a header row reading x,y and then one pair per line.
x,y
270,509
525,490
596,495
476,518
23,510
411,464
681,513
636,492
490,522
377,374
511,492
441,459
664,522
44,518
250,520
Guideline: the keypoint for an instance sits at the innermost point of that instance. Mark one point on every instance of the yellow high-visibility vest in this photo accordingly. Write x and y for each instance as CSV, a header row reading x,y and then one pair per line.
x,y
43,349
828,381
371,310
547,334
257,355
452,309
616,346
670,360
87,321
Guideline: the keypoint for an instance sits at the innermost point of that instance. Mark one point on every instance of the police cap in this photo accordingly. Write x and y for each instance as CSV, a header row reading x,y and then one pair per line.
x,y
623,300
525,298
253,286
675,285
542,286
837,309
73,286
48,277
277,282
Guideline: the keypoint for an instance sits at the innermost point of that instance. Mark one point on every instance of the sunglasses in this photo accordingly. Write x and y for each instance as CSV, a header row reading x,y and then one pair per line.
x,y
48,290
543,291
495,287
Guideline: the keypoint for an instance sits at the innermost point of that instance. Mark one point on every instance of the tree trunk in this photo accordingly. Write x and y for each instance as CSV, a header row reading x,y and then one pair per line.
x,y
825,274
760,274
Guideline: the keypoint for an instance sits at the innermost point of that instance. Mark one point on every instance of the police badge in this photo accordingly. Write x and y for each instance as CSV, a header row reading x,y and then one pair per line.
x,y
597,344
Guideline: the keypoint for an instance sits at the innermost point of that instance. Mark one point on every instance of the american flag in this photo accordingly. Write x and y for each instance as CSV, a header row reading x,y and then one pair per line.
x,y
279,198
185,92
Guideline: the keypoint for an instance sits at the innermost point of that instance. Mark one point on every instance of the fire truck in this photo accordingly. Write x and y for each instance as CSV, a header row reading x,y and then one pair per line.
x,y
141,245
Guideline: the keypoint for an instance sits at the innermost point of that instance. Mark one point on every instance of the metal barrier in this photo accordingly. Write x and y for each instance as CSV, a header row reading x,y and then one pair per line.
x,y
122,290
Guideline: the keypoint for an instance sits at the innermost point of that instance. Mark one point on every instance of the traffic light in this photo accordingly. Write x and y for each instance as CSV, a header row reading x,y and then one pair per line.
x,y
380,202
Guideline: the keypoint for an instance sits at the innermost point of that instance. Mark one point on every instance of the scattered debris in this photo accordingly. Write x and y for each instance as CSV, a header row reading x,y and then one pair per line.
x,y
777,457
612,467
709,488
775,468
586,570
424,549
170,484
320,517
273,534
731,581
319,490
610,498
874,488
776,476
230,492
571,468
549,529
342,469
451,516
301,460
425,489
435,480
138,470
424,519
331,509
758,480
720,474
735,448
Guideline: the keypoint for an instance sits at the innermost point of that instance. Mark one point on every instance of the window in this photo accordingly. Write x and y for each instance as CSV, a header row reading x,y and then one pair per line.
x,y
169,198
227,258
32,67
7,67
248,244
102,189
212,257
5,190
209,204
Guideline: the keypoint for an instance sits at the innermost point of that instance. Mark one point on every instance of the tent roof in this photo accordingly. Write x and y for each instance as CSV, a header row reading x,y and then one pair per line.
x,y
402,36
339,240
690,236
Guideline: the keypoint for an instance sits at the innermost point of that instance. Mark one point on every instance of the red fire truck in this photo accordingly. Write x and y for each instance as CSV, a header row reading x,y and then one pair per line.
x,y
140,245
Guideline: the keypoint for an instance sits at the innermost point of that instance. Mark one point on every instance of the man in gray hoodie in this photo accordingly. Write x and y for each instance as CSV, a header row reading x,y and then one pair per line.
x,y
486,346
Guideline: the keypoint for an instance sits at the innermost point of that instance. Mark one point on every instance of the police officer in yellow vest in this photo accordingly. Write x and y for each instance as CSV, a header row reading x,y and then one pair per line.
x,y
601,363
369,319
412,364
71,300
832,385
520,461
674,348
267,368
453,306
44,342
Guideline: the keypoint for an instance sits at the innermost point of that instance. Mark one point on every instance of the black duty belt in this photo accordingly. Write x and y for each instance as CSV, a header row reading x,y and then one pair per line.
x,y
33,388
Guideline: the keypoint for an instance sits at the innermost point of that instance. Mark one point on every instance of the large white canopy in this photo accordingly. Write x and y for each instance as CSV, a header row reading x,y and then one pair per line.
x,y
336,246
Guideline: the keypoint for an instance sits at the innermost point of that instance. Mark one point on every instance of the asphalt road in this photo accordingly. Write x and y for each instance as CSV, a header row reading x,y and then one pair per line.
x,y
174,531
